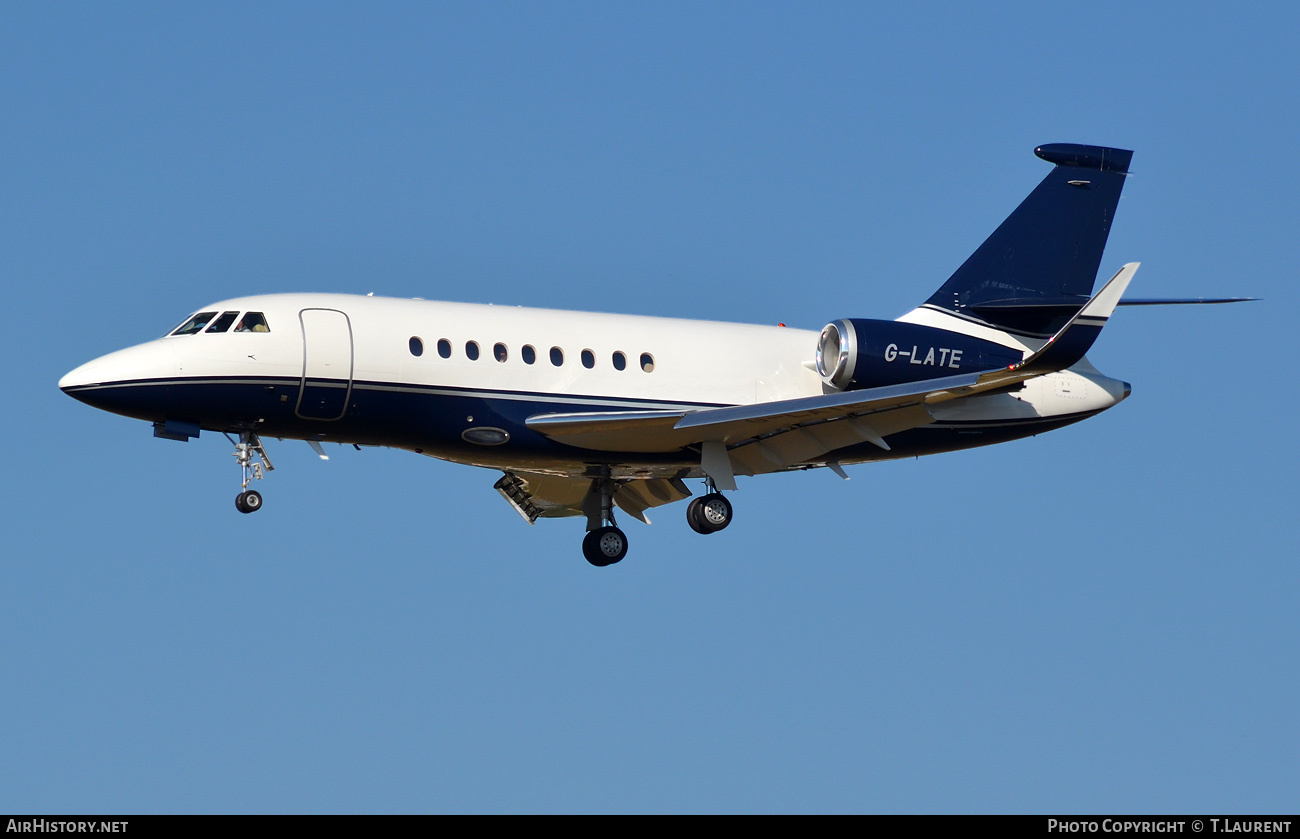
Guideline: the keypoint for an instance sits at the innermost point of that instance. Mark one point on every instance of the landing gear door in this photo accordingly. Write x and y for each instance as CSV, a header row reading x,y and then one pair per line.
x,y
326,364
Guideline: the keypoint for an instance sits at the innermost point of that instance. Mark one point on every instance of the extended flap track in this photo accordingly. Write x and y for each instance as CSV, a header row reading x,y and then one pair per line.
x,y
512,488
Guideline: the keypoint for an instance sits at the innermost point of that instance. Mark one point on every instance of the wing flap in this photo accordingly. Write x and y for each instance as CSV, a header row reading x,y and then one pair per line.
x,y
783,449
536,496
635,497
542,496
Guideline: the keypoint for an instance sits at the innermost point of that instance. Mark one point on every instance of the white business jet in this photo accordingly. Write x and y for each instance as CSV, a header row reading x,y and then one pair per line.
x,y
583,413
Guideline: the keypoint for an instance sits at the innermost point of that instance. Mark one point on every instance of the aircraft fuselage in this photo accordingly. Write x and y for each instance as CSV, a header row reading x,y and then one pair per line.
x,y
443,378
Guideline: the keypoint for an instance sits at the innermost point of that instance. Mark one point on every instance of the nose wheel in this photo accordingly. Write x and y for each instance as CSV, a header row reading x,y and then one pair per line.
x,y
247,449
709,513
249,501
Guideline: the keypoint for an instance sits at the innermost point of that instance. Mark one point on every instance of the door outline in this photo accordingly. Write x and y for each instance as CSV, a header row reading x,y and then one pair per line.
x,y
320,337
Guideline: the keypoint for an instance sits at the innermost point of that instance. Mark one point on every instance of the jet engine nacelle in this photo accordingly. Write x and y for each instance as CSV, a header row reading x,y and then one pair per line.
x,y
859,353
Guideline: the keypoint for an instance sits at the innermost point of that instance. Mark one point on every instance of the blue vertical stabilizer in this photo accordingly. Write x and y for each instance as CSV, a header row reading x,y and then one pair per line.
x,y
1038,268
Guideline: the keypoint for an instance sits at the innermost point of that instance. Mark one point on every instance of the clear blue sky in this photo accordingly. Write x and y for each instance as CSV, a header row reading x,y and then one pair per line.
x,y
1098,619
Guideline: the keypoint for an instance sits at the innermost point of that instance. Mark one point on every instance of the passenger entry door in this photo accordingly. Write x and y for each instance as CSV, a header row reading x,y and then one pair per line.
x,y
326,364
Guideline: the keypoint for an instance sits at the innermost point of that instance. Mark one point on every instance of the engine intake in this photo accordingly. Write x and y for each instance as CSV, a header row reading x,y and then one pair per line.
x,y
837,353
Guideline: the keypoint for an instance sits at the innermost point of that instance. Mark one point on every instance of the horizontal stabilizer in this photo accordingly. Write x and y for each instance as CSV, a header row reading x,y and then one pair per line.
x,y
1072,304
1182,301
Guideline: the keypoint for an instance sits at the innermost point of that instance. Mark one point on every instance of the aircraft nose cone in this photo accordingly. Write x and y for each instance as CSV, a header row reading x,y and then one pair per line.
x,y
83,375
81,382
102,382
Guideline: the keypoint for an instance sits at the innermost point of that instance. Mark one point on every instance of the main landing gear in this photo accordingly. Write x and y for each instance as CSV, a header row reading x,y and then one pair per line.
x,y
604,543
709,513
250,445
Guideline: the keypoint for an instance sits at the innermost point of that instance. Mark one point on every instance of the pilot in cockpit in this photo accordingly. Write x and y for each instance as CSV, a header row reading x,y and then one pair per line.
x,y
252,322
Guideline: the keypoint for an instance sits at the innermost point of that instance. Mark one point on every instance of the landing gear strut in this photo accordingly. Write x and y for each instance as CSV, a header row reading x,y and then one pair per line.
x,y
709,513
250,445
604,543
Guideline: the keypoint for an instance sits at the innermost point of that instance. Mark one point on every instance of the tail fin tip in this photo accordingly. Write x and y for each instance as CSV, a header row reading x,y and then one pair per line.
x,y
1103,158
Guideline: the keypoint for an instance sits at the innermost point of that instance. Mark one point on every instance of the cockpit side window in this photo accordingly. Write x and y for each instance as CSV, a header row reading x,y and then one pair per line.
x,y
195,324
222,323
252,322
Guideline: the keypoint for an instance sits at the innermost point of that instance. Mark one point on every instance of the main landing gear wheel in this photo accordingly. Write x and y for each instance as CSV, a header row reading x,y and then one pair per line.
x,y
604,546
709,513
248,502
692,511
604,543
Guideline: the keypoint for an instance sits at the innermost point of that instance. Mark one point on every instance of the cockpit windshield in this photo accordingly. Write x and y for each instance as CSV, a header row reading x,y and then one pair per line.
x,y
222,323
252,322
195,324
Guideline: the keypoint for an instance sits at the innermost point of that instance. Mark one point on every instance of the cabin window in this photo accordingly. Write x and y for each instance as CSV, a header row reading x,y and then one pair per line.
x,y
499,352
222,323
444,348
195,324
620,361
588,359
557,356
252,322
647,362
471,350
528,354
417,347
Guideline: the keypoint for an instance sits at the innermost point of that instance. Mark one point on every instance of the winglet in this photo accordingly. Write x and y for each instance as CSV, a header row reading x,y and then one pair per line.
x,y
1073,340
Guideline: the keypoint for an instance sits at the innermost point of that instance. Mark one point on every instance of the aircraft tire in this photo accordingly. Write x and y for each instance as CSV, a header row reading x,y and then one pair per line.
x,y
713,513
604,546
248,502
693,517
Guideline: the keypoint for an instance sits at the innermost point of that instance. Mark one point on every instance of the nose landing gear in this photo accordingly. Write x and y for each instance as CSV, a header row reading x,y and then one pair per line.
x,y
250,445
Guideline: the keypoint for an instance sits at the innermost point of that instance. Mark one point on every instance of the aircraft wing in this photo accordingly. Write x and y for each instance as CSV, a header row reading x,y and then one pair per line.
x,y
770,436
